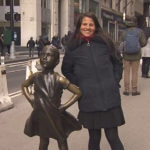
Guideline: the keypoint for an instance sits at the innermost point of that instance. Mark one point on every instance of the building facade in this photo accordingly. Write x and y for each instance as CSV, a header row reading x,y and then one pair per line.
x,y
57,17
114,13
5,18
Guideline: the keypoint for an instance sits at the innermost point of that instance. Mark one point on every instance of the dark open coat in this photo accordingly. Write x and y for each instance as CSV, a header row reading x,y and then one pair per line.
x,y
97,70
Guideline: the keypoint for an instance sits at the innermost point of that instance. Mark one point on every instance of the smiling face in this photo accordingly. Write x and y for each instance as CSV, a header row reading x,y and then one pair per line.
x,y
87,27
49,58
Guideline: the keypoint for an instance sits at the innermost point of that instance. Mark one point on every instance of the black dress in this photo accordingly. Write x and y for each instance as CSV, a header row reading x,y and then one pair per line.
x,y
102,119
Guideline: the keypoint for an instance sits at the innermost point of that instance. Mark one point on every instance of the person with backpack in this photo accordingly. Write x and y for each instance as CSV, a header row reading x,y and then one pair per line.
x,y
134,39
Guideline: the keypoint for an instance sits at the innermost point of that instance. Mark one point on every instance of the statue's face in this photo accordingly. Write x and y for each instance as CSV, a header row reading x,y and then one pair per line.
x,y
47,59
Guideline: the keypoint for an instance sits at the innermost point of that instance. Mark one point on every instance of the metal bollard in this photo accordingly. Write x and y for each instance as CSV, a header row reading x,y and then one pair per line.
x,y
5,100
2,60
32,67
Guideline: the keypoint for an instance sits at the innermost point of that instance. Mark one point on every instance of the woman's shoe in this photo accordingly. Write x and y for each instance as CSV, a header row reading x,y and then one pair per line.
x,y
126,93
145,76
136,93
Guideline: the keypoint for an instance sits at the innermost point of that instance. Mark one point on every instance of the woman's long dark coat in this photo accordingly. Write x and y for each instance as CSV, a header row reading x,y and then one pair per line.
x,y
97,70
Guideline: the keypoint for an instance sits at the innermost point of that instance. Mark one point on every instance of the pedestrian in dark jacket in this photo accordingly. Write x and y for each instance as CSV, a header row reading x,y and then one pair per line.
x,y
56,41
92,62
7,39
31,46
2,45
40,45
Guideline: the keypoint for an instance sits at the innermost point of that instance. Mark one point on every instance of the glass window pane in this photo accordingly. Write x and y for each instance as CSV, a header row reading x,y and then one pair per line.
x,y
112,30
44,3
76,11
110,3
7,2
94,7
83,6
105,25
1,2
16,2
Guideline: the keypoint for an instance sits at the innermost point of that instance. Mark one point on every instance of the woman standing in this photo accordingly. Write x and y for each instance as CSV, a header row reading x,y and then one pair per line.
x,y
92,62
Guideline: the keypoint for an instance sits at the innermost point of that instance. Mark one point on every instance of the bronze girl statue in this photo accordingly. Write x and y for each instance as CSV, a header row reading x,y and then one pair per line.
x,y
49,118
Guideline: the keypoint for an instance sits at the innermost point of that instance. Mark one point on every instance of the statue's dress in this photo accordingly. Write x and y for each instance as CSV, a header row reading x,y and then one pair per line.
x,y
46,120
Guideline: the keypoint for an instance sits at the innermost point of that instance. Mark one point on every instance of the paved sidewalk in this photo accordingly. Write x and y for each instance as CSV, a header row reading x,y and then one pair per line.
x,y
135,134
19,56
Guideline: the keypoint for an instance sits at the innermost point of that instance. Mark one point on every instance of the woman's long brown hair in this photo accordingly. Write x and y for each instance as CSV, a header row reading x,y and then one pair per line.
x,y
99,31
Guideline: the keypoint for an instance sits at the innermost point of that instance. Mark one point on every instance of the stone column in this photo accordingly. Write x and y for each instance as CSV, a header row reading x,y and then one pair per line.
x,y
30,20
54,17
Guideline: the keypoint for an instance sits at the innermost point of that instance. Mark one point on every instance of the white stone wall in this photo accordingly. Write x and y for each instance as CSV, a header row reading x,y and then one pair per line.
x,y
30,20
54,18
67,17
64,17
2,13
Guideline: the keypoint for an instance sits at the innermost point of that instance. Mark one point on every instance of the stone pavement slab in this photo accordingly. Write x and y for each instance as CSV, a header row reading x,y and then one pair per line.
x,y
135,134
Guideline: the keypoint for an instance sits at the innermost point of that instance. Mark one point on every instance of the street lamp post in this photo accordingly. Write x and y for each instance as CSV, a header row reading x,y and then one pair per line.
x,y
12,48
